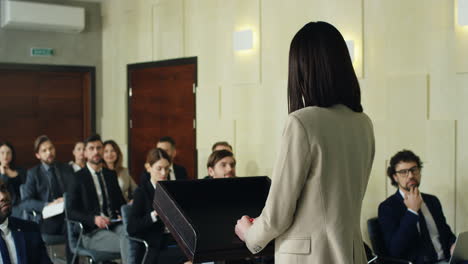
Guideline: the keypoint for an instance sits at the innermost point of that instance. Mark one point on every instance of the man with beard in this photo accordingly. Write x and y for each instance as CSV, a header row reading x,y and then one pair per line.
x,y
45,185
95,200
413,224
221,164
20,240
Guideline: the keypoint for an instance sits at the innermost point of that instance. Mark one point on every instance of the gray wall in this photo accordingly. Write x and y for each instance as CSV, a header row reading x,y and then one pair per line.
x,y
83,49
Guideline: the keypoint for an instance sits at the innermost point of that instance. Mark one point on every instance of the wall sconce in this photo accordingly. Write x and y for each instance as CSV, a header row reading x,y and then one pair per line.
x,y
350,45
463,12
243,40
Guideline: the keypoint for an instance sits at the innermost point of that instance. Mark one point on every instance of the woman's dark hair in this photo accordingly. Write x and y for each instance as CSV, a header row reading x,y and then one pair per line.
x,y
157,154
320,70
405,156
13,154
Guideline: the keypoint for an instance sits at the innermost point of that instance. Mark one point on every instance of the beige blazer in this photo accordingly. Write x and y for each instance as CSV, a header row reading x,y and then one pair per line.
x,y
319,180
126,183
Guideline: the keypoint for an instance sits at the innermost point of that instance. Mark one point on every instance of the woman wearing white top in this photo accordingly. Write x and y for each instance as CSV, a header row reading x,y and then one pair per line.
x,y
78,153
113,159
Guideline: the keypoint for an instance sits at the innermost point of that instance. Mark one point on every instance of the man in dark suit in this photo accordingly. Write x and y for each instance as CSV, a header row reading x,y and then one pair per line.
x,y
178,172
412,222
45,185
95,200
20,240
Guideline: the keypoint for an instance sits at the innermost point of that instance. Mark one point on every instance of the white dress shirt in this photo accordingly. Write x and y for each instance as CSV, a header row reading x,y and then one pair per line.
x,y
172,173
8,237
431,227
97,186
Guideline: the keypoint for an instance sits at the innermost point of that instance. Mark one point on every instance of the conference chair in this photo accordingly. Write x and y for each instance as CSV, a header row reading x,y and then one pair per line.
x,y
132,241
378,244
49,240
75,235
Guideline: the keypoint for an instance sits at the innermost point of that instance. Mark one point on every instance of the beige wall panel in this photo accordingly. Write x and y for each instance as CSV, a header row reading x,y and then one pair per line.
x,y
461,83
406,97
438,175
208,103
168,29
461,42
462,176
202,39
246,63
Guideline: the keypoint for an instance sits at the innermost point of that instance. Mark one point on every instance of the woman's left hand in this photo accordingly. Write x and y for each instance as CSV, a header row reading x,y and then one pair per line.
x,y
243,225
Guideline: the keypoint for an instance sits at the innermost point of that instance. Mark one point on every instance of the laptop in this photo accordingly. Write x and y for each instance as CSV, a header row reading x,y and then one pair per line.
x,y
460,253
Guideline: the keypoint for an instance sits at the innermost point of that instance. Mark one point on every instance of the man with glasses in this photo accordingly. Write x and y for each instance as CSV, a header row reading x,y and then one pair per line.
x,y
413,224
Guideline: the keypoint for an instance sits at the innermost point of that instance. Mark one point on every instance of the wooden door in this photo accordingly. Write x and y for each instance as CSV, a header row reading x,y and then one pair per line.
x,y
162,103
51,100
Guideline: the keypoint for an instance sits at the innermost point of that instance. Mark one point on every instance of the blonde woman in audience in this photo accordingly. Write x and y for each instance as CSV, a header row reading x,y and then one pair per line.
x,y
78,153
113,159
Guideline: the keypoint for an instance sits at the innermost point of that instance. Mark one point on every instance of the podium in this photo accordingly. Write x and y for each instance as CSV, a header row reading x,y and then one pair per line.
x,y
201,214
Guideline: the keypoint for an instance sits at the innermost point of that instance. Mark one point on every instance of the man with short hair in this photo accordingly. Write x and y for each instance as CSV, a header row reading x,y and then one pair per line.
x,y
95,200
177,172
220,145
168,144
45,185
20,240
221,164
413,224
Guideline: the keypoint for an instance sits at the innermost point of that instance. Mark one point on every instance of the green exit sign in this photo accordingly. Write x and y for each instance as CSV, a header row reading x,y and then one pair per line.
x,y
43,52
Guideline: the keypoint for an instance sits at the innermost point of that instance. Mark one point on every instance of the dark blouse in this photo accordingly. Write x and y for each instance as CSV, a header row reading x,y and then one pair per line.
x,y
13,185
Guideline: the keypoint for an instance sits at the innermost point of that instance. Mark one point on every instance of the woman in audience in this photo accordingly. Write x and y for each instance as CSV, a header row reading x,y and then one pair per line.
x,y
113,159
11,175
324,160
144,221
78,153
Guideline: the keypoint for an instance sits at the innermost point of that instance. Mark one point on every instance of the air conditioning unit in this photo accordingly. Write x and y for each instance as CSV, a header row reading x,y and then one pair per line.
x,y
41,17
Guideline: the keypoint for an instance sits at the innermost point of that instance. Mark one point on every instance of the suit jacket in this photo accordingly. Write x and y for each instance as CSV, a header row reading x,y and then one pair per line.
x,y
400,231
319,180
36,194
28,242
179,171
37,187
83,199
140,223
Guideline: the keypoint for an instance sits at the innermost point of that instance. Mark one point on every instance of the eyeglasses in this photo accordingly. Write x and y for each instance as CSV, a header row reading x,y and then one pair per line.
x,y
405,172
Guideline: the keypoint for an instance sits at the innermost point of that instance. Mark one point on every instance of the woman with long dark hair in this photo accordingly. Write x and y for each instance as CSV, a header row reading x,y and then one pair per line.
x,y
320,177
12,175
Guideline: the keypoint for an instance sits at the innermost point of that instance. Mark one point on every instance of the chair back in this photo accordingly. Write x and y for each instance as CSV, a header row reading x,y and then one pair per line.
x,y
72,234
125,210
376,237
29,215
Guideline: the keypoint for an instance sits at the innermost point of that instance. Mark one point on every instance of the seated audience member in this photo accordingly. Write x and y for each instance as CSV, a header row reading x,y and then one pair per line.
x,y
144,222
20,240
113,159
220,145
177,172
45,185
11,175
78,153
221,164
412,222
95,201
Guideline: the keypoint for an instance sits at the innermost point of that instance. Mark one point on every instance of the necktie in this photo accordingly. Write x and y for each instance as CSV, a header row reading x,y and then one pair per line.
x,y
4,250
55,191
428,248
105,205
